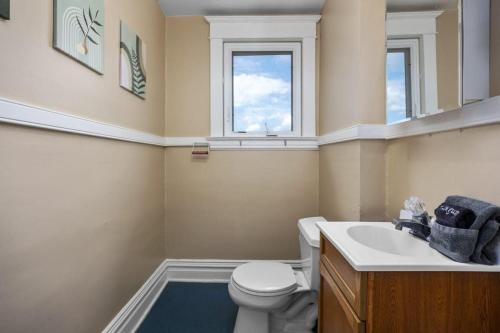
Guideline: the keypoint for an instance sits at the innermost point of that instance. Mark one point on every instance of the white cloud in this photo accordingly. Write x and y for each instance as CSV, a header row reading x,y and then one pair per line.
x,y
252,119
260,99
254,127
281,121
396,100
247,64
252,89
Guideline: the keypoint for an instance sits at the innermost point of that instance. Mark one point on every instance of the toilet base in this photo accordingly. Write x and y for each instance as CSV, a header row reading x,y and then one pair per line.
x,y
303,322
251,321
299,317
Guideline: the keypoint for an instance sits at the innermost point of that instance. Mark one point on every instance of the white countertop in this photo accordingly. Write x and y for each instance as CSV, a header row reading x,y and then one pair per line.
x,y
418,255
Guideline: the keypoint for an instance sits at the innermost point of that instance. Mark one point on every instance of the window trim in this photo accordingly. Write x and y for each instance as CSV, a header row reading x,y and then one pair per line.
x,y
295,28
415,83
421,25
296,49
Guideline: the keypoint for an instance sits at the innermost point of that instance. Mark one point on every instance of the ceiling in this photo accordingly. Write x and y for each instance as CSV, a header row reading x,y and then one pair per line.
x,y
416,5
240,7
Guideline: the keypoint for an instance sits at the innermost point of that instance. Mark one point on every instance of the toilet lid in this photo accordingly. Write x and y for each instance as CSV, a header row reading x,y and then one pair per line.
x,y
265,277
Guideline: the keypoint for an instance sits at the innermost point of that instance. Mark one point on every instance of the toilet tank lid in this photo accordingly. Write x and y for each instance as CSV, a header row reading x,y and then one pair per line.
x,y
309,230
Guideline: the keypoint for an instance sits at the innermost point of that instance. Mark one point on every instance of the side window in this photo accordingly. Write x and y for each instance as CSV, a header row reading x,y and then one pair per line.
x,y
403,80
399,97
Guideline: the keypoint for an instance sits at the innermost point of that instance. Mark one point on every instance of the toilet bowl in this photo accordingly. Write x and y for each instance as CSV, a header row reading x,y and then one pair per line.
x,y
272,296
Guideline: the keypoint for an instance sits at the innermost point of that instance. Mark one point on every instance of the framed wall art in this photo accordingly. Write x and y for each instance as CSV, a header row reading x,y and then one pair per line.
x,y
5,9
132,62
79,31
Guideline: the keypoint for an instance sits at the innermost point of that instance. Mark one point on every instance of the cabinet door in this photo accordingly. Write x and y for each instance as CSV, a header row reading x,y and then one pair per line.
x,y
351,282
335,313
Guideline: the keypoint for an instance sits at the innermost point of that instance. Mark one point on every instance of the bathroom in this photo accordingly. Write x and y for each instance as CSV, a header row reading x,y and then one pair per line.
x,y
179,165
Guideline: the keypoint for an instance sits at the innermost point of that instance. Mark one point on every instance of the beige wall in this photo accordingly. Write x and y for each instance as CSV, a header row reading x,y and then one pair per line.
x,y
35,73
372,183
352,91
372,63
81,219
352,181
447,60
188,77
81,228
352,84
236,204
339,58
340,181
434,166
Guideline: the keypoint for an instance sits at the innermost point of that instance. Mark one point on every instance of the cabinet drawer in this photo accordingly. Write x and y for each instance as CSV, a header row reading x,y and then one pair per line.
x,y
351,282
336,315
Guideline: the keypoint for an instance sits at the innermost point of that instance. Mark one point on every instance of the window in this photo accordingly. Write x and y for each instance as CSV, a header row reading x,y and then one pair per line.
x,y
262,89
398,85
263,80
403,83
262,92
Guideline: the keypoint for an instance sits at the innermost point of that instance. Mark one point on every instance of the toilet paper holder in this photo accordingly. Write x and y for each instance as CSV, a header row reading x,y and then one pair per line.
x,y
200,149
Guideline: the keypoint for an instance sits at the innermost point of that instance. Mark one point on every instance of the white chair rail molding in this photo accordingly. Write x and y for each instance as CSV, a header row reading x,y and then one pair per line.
x,y
472,115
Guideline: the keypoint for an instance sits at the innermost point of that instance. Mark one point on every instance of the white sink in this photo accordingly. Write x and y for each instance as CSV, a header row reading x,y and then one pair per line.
x,y
377,246
386,240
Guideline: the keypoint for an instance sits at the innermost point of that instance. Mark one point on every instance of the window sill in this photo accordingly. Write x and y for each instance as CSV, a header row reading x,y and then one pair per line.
x,y
263,143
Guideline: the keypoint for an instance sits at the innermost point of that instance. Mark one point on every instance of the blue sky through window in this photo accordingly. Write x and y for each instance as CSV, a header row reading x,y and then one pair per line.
x,y
396,87
262,92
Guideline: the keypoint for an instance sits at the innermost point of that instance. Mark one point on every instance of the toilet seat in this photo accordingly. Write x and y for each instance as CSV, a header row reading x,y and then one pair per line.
x,y
264,278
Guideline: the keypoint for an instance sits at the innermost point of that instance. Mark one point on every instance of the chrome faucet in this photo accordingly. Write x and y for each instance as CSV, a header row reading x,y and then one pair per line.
x,y
419,225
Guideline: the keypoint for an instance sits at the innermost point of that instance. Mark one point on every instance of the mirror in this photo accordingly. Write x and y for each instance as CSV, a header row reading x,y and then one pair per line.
x,y
423,58
481,50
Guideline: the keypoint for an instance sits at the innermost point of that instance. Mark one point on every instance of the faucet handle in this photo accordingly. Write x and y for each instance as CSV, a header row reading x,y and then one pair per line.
x,y
423,218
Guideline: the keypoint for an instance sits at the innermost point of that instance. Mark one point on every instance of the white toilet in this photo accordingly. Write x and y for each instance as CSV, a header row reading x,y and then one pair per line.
x,y
274,298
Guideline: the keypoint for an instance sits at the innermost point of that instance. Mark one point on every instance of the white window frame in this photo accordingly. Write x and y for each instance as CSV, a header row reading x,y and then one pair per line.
x,y
421,25
263,29
413,45
296,50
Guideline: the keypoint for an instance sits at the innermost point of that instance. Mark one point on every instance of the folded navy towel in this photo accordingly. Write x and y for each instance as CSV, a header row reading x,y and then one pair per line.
x,y
487,249
454,216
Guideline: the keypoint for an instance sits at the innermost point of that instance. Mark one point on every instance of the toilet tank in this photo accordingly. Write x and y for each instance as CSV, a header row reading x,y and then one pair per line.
x,y
309,249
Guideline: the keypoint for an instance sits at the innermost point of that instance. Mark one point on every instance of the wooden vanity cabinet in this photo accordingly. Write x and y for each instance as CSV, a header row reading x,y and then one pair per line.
x,y
404,302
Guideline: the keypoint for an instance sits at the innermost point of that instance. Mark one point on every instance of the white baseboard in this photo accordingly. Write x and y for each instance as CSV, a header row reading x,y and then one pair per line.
x,y
133,313
187,270
183,270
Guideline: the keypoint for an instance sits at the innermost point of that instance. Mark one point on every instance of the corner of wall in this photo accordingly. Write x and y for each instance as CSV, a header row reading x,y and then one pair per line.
x,y
373,184
352,87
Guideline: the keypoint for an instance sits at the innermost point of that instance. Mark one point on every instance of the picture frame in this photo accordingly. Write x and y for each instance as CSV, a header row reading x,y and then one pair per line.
x,y
132,62
5,9
79,31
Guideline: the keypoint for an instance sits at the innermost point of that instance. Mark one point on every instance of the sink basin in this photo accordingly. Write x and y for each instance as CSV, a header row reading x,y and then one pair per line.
x,y
387,240
378,247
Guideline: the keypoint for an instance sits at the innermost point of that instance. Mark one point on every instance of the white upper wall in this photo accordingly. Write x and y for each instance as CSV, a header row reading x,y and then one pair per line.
x,y
240,7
